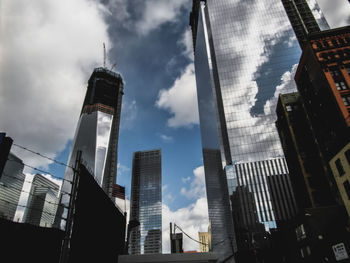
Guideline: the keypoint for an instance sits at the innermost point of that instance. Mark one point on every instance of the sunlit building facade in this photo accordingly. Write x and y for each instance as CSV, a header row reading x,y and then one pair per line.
x,y
146,203
244,54
205,241
42,202
97,132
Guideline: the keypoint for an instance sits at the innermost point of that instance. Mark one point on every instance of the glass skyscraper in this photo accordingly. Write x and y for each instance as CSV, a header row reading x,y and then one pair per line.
x,y
97,132
245,53
146,202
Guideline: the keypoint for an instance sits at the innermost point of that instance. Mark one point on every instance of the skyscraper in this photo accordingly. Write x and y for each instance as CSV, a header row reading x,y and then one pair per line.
x,y
5,147
303,20
244,55
42,202
11,183
97,131
146,202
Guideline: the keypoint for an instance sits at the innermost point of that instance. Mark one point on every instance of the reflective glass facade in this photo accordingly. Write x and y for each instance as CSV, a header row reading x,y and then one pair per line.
x,y
216,184
146,203
265,193
245,55
97,133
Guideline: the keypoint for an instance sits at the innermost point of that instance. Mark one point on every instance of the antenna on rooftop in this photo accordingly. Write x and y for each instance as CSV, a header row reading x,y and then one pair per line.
x,y
105,58
104,55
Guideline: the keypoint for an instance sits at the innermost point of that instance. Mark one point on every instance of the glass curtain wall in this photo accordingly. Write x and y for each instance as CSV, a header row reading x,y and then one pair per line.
x,y
146,203
246,53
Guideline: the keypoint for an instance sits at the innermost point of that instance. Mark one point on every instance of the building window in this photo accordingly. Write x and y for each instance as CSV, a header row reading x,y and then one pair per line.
x,y
335,72
347,155
339,166
347,67
308,250
289,108
300,232
341,85
346,185
346,100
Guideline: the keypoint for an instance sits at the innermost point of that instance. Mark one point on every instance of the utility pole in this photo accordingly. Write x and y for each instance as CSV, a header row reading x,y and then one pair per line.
x,y
65,249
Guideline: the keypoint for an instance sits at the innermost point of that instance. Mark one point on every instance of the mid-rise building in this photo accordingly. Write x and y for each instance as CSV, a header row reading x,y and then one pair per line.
x,y
11,184
205,241
323,82
307,167
42,202
176,240
97,133
146,202
340,166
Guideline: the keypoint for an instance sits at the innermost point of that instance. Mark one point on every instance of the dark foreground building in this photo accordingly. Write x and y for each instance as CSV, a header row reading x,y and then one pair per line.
x,y
323,82
170,258
314,130
98,232
5,147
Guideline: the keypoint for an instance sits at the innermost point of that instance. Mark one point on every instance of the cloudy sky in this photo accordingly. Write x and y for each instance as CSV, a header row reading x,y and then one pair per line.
x,y
48,50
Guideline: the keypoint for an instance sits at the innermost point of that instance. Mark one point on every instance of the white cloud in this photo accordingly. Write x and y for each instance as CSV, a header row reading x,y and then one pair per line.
x,y
187,43
337,12
185,179
192,219
122,168
168,198
128,114
118,10
197,187
287,86
48,51
166,138
181,100
157,12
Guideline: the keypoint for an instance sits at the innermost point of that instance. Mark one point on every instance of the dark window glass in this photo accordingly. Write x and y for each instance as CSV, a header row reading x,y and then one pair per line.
x,y
347,188
347,155
347,67
339,167
335,72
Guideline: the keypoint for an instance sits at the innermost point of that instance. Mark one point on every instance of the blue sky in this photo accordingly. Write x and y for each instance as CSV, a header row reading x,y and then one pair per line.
x,y
49,51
